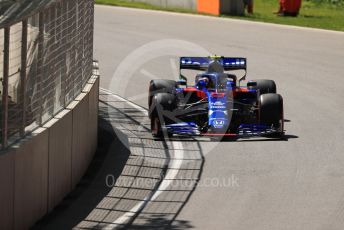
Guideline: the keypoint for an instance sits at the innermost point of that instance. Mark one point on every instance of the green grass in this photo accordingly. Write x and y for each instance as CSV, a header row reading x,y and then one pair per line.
x,y
312,14
316,14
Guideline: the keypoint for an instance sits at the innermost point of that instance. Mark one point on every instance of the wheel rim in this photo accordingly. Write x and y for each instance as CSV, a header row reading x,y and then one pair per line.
x,y
155,126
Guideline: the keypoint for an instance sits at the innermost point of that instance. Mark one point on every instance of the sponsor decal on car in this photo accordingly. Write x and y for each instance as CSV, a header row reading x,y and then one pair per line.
x,y
217,105
218,123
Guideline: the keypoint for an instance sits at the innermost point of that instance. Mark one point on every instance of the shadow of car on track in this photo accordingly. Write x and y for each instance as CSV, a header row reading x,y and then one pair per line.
x,y
263,138
127,151
286,137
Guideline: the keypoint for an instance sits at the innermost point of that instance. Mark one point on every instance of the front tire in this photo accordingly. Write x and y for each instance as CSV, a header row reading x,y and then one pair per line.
x,y
160,86
161,113
271,112
156,128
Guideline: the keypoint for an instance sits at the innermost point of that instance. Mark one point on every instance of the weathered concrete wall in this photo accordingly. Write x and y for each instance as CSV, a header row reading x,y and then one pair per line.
x,y
31,179
80,145
186,4
93,87
37,173
183,4
216,7
60,153
7,189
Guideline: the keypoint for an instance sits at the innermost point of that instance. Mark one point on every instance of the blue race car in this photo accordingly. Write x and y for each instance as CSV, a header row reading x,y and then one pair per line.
x,y
216,105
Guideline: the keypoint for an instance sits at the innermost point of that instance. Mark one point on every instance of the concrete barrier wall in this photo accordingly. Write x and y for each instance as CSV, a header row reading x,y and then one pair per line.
x,y
7,190
215,7
37,173
183,4
31,179
60,153
80,146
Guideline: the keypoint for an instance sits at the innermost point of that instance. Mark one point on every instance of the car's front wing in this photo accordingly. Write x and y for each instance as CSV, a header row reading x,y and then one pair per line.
x,y
244,130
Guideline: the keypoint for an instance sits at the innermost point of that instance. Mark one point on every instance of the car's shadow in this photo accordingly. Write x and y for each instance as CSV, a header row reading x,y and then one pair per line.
x,y
260,139
230,139
188,138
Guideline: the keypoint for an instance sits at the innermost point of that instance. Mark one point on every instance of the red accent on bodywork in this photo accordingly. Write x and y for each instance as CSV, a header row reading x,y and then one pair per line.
x,y
217,95
239,90
190,89
242,90
199,93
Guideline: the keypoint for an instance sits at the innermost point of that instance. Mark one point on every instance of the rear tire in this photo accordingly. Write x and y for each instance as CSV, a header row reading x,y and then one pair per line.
x,y
264,86
271,112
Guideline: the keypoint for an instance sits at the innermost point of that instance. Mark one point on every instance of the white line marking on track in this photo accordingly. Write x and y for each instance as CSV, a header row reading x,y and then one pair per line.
x,y
172,172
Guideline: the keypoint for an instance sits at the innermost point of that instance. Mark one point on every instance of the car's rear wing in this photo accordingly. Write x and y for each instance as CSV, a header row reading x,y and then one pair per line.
x,y
202,63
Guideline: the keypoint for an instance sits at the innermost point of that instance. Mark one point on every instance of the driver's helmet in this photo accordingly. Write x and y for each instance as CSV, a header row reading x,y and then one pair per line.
x,y
204,82
215,67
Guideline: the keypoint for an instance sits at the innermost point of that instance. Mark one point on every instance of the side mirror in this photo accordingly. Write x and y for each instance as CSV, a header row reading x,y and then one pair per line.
x,y
181,83
243,77
251,84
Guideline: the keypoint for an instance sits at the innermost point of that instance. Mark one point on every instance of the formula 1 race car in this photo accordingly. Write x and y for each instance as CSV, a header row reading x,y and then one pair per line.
x,y
216,105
